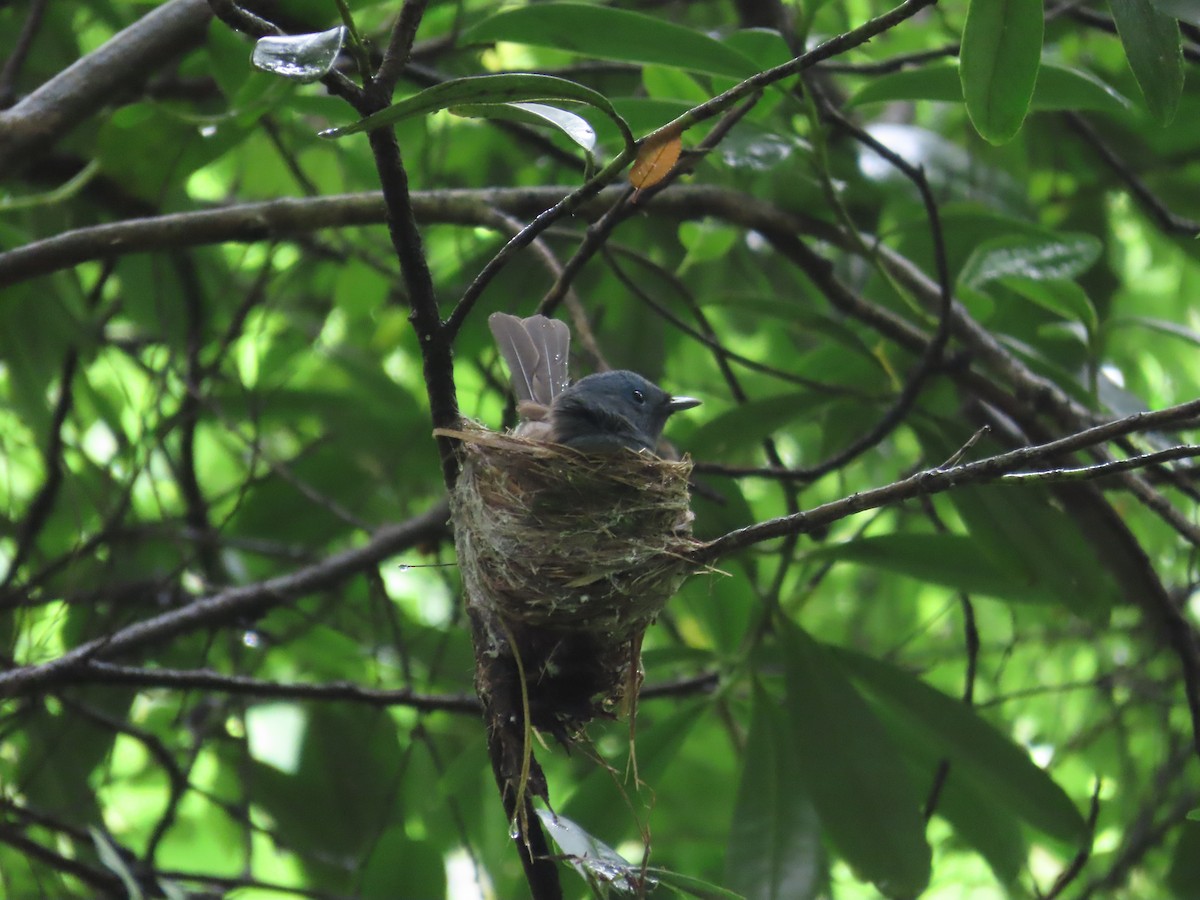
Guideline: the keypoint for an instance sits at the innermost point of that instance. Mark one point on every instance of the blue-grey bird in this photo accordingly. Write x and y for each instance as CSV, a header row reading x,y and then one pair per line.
x,y
600,413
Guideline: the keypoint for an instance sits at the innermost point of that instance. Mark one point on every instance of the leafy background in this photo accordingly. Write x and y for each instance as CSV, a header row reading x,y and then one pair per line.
x,y
215,445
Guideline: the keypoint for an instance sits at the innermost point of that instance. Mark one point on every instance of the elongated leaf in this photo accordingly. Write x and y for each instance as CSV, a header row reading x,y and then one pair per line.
x,y
575,127
1155,53
299,57
1003,771
485,89
993,830
952,560
594,860
1064,298
747,425
1063,257
1163,326
1184,874
600,32
862,791
687,886
1057,88
1023,529
1184,10
1001,49
775,839
596,802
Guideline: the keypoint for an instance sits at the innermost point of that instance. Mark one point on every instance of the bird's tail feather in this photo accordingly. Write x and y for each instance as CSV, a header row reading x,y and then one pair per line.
x,y
536,350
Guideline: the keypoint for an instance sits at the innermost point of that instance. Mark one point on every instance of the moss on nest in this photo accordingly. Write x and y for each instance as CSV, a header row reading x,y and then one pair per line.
x,y
566,560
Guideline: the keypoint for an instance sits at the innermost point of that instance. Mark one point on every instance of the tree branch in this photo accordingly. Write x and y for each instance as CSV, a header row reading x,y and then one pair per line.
x,y
78,92
233,602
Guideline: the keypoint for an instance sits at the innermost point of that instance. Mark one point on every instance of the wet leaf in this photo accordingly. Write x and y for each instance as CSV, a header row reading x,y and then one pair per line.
x,y
593,859
1064,257
483,90
575,127
300,57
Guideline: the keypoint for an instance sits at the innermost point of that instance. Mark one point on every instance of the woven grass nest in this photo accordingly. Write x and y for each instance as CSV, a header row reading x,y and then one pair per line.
x,y
566,559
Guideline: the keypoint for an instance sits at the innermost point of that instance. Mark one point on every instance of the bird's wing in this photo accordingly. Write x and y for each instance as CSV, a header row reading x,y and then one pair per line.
x,y
553,341
519,352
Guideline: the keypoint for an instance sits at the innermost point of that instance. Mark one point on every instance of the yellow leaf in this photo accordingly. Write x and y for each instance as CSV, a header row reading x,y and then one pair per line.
x,y
654,161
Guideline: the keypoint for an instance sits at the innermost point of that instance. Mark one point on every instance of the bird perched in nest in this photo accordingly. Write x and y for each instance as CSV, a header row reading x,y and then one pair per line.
x,y
600,413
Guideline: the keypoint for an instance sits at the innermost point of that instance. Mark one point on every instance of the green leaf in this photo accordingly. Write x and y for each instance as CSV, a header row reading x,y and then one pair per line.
x,y
705,241
1184,10
1063,257
1057,88
953,560
602,867
774,848
863,794
299,57
575,127
748,425
600,32
1184,874
346,762
1024,530
1001,49
995,833
1155,53
1064,298
597,800
1002,771
400,868
485,89
1162,326
687,886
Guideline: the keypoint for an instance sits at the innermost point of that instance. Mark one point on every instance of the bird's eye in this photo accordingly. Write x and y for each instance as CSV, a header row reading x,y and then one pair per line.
x,y
639,397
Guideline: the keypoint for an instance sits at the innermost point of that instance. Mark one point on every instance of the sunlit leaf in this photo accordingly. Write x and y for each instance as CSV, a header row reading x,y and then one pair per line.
x,y
575,127
1063,258
1154,49
594,860
1001,49
300,57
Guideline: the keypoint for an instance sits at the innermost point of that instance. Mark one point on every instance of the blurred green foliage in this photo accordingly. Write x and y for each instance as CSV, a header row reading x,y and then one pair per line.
x,y
222,412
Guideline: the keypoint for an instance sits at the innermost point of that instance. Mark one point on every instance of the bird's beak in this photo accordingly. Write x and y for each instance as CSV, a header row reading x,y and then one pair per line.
x,y
678,403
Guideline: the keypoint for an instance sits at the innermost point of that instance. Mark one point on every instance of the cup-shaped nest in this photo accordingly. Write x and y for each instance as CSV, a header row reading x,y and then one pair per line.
x,y
566,558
